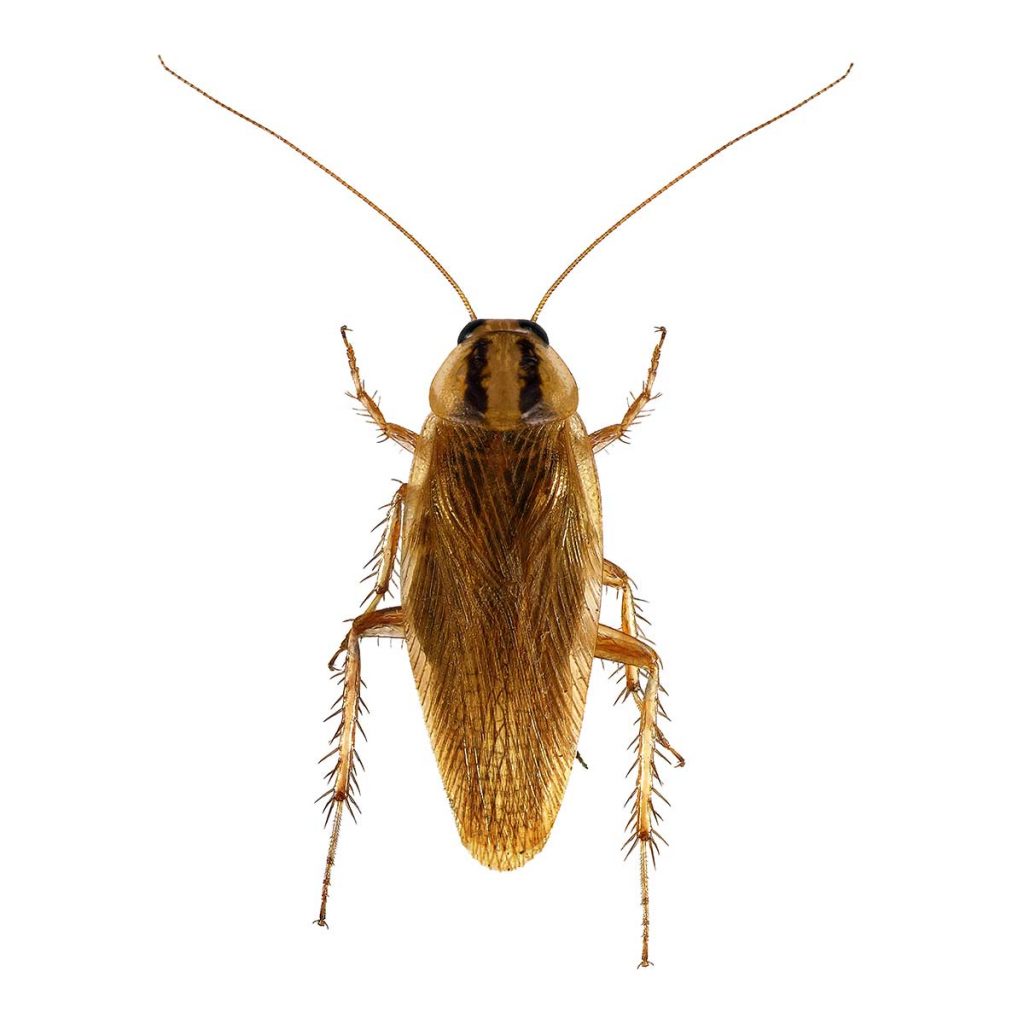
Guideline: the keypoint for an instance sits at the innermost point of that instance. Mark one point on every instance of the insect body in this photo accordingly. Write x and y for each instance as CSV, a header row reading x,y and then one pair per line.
x,y
499,528
501,583
501,588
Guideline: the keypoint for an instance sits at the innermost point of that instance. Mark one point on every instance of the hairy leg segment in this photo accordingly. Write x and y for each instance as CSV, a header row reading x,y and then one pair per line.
x,y
373,622
615,645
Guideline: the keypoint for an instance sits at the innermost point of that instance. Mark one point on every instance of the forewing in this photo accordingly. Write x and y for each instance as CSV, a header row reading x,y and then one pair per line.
x,y
501,588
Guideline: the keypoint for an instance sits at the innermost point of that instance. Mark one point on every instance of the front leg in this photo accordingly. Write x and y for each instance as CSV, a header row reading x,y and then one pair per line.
x,y
606,435
401,435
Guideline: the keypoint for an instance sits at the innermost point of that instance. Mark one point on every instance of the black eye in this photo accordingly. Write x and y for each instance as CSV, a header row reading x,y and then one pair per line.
x,y
529,325
468,330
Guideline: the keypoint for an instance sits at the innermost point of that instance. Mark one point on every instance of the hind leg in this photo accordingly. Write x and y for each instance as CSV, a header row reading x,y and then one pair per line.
x,y
373,622
614,645
380,622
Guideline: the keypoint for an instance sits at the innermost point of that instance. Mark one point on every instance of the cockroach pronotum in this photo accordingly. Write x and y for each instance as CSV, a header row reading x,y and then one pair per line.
x,y
502,569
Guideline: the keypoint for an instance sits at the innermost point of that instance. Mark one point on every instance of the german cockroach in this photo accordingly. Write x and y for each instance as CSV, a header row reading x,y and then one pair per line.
x,y
499,527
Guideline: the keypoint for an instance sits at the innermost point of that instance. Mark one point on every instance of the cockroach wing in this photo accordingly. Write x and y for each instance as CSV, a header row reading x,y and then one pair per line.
x,y
501,588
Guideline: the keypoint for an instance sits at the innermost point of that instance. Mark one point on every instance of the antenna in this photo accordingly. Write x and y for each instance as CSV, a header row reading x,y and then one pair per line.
x,y
341,181
664,188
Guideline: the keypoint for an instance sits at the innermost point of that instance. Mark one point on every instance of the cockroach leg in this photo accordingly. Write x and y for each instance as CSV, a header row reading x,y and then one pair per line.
x,y
614,645
380,622
372,622
606,435
615,577
386,555
402,435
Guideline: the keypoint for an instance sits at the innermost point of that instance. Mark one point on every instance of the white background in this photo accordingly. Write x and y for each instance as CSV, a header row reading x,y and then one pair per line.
x,y
824,511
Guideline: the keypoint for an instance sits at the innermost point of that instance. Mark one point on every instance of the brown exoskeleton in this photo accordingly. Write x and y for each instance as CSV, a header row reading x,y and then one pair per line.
x,y
499,528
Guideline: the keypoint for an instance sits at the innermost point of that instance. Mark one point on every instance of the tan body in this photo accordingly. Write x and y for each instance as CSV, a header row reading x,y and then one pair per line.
x,y
502,569
499,528
501,583
501,589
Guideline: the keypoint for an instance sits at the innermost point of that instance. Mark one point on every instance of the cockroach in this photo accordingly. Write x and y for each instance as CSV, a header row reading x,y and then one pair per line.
x,y
502,569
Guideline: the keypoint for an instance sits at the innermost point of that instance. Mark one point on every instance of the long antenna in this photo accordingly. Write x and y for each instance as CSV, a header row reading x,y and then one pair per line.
x,y
341,181
664,188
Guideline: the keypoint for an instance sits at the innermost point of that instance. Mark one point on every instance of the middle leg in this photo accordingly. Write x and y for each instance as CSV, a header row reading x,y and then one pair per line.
x,y
615,577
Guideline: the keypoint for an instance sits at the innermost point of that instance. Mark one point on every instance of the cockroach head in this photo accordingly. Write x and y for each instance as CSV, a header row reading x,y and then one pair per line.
x,y
503,374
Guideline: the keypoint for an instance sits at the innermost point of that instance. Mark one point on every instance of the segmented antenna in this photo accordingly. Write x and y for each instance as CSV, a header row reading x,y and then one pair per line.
x,y
341,181
664,188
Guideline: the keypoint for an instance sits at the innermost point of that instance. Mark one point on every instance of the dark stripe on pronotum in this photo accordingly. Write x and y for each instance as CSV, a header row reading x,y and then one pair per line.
x,y
476,394
529,374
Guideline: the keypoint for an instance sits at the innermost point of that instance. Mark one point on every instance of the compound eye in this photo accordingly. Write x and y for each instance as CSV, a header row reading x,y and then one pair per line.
x,y
468,330
529,325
